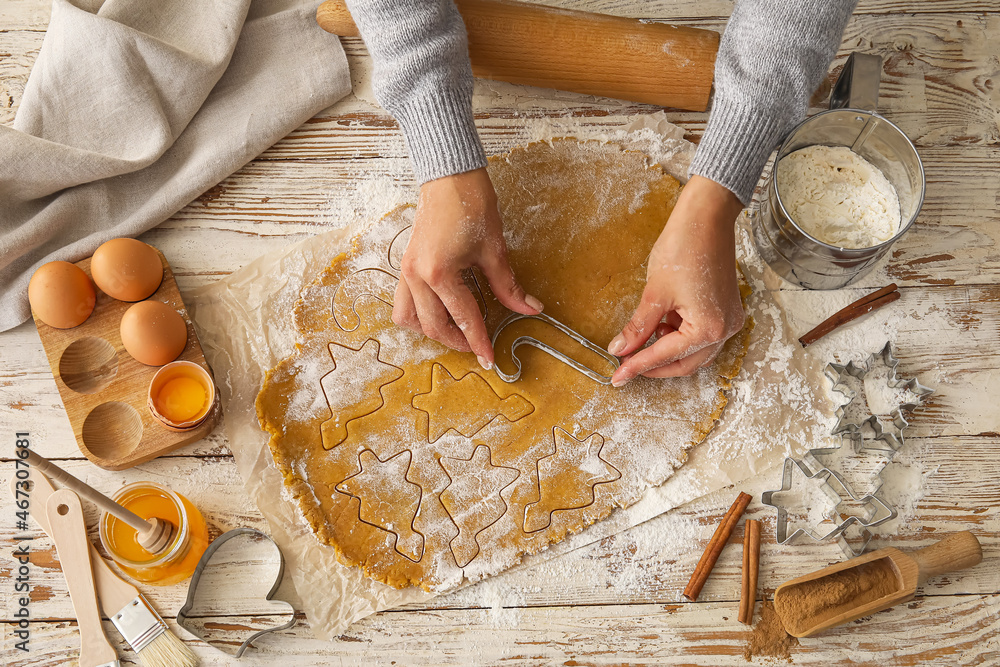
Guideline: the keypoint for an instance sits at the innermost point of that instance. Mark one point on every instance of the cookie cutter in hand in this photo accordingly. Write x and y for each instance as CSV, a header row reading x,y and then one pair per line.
x,y
551,351
185,621
811,468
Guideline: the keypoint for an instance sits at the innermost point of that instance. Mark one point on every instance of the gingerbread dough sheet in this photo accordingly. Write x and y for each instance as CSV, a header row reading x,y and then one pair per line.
x,y
423,469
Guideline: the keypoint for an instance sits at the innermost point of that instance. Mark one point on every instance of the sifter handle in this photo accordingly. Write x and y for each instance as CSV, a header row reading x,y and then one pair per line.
x,y
955,552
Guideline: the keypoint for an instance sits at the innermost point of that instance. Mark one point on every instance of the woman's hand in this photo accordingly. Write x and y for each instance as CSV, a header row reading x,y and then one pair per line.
x,y
457,227
692,298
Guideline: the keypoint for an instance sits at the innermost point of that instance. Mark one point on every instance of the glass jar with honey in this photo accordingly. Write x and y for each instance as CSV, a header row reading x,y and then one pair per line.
x,y
179,559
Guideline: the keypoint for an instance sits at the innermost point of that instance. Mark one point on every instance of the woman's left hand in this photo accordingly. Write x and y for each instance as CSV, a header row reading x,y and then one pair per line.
x,y
692,297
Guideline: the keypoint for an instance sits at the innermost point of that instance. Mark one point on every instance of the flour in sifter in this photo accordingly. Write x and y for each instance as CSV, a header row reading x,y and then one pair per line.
x,y
838,197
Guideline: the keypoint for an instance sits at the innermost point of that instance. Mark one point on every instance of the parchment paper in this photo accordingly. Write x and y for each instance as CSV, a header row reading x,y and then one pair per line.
x,y
778,405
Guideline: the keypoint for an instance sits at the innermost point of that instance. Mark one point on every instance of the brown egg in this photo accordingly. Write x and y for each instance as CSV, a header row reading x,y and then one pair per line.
x,y
61,295
126,269
153,333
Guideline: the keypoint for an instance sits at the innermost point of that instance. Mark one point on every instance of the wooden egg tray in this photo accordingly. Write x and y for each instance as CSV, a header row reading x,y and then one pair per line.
x,y
105,390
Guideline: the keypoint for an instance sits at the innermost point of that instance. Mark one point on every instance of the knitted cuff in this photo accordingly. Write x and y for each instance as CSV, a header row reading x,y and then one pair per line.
x,y
736,145
441,135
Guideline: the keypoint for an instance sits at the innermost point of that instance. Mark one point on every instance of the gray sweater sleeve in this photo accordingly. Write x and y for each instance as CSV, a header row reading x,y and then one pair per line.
x,y
772,56
423,78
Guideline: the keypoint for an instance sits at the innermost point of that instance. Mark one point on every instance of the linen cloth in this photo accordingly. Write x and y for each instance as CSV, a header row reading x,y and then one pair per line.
x,y
135,107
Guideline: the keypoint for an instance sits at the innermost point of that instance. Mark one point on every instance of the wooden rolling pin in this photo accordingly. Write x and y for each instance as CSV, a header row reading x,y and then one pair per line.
x,y
582,52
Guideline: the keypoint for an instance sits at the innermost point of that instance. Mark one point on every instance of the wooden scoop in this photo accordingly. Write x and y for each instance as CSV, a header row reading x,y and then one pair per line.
x,y
582,52
864,585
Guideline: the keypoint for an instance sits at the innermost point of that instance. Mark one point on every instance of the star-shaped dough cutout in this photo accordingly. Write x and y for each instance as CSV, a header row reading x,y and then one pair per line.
x,y
353,388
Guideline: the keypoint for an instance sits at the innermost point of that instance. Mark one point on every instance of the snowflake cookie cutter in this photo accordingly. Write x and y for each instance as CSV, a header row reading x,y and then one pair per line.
x,y
889,433
892,437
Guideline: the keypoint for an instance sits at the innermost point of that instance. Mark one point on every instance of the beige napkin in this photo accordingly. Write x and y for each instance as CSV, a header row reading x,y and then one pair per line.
x,y
135,107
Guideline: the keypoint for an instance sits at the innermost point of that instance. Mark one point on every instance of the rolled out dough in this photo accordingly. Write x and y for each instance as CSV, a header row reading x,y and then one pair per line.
x,y
423,469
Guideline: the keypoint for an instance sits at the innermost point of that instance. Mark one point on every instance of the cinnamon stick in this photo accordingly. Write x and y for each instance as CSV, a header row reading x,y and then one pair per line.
x,y
715,545
862,306
751,566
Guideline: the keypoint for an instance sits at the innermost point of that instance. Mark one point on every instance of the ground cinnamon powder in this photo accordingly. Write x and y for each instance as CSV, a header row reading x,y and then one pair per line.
x,y
768,638
807,604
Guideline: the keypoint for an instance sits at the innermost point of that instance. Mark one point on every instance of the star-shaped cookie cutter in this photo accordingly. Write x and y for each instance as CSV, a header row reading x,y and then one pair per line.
x,y
812,468
879,511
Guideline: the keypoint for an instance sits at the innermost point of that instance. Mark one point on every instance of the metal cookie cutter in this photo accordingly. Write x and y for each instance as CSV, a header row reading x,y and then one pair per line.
x,y
551,351
878,513
852,431
186,622
890,432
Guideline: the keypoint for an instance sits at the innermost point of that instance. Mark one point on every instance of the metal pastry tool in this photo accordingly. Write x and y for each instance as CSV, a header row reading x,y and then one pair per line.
x,y
199,629
893,437
890,434
551,351
851,122
879,513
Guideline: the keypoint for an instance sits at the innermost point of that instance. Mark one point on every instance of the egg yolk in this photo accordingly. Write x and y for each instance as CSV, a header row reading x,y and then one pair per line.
x,y
181,399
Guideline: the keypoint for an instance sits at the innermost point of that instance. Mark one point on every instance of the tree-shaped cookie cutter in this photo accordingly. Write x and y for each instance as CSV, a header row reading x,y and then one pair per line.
x,y
853,432
551,351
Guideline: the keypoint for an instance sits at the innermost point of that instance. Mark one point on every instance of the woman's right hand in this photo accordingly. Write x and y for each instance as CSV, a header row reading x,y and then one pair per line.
x,y
457,227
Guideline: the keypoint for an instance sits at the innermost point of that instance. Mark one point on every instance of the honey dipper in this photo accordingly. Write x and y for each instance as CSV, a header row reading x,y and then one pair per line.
x,y
864,585
153,535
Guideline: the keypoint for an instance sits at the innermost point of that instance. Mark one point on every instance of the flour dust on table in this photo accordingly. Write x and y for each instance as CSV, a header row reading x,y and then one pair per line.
x,y
421,468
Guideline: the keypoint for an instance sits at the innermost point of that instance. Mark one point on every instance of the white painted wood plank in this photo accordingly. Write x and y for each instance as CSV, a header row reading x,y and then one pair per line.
x,y
937,85
940,630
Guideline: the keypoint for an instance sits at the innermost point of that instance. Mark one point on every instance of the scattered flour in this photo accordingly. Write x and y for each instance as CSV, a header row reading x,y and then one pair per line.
x,y
838,197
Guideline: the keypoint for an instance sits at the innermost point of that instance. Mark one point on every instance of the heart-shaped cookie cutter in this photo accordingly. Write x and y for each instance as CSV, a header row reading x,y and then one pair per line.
x,y
184,620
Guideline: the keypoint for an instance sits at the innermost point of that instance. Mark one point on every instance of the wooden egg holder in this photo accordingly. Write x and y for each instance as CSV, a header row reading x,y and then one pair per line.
x,y
105,390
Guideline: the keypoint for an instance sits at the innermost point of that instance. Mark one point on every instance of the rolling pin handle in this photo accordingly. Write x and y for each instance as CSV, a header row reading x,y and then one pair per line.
x,y
955,552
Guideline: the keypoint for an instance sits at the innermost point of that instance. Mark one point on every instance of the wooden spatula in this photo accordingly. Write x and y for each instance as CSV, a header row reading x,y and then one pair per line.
x,y
67,530
864,585
582,52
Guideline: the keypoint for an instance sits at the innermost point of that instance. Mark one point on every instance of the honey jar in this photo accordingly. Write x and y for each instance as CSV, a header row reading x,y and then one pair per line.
x,y
181,556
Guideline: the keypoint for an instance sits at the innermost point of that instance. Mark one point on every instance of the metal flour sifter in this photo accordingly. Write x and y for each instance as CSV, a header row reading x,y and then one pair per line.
x,y
852,121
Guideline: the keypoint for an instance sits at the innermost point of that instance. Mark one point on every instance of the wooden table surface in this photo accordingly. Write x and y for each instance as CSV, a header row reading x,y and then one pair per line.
x,y
618,600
